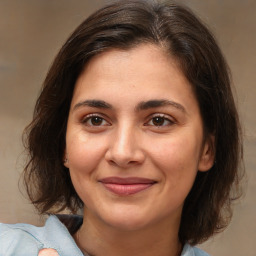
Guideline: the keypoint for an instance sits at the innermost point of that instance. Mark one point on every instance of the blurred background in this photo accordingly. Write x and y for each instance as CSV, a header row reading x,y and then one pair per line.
x,y
32,31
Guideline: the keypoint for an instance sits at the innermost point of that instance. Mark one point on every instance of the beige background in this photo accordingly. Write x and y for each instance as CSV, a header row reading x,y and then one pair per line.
x,y
31,32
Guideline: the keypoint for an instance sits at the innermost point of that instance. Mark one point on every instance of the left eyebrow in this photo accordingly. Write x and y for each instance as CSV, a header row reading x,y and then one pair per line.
x,y
159,103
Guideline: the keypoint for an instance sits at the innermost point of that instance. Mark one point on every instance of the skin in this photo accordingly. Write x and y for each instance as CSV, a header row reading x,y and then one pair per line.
x,y
163,143
48,252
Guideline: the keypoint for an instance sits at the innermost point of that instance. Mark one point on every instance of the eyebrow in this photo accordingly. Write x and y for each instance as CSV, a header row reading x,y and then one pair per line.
x,y
94,104
144,105
159,103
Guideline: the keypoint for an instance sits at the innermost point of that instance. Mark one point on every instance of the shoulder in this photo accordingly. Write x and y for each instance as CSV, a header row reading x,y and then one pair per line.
x,y
25,239
189,250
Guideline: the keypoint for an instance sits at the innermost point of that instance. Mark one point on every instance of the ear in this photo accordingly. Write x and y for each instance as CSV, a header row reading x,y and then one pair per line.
x,y
65,159
206,160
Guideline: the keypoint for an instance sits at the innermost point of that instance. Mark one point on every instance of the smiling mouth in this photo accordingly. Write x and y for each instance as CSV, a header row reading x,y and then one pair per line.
x,y
126,186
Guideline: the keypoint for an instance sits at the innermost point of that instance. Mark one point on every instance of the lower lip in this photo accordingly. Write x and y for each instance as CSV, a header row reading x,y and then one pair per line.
x,y
126,189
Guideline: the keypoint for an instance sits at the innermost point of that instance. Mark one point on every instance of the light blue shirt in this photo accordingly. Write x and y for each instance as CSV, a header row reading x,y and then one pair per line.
x,y
27,240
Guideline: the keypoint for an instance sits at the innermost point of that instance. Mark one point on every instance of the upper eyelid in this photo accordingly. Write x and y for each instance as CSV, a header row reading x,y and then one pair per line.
x,y
166,116
94,114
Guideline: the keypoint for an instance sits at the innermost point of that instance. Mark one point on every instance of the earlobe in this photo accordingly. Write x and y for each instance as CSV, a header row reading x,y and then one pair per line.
x,y
208,155
65,160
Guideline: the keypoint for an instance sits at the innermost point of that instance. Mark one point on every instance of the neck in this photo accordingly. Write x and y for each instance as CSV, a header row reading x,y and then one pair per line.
x,y
97,238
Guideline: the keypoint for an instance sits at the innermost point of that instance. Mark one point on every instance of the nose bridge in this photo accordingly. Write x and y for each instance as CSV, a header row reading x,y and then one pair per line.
x,y
125,148
123,141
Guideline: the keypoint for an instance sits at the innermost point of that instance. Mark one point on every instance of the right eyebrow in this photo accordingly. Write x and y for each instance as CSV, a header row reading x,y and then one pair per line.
x,y
93,103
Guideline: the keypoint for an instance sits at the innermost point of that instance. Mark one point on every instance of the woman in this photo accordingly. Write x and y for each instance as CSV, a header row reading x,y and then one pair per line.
x,y
136,125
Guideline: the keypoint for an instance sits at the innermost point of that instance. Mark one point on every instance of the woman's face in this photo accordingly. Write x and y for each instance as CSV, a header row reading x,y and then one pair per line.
x,y
134,140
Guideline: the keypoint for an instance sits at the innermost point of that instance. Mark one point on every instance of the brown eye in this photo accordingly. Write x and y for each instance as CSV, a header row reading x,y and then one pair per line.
x,y
96,120
158,120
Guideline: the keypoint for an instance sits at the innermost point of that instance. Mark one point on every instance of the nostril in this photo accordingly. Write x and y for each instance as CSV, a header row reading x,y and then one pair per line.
x,y
112,162
123,164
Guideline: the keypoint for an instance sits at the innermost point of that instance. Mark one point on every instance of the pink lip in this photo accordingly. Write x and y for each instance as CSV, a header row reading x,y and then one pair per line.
x,y
126,186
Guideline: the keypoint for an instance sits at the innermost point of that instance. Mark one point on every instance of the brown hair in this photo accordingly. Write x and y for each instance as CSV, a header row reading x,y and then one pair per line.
x,y
124,25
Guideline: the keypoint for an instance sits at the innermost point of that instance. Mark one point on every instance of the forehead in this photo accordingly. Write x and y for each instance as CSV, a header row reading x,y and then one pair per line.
x,y
144,72
143,60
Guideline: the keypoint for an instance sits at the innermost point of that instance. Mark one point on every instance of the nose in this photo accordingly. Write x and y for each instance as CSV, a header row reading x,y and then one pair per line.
x,y
125,149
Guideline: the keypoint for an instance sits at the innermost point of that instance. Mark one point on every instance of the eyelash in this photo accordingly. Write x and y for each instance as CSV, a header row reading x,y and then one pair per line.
x,y
89,118
163,118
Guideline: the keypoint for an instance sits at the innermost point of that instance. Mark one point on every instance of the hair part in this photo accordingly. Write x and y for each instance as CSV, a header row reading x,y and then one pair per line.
x,y
124,25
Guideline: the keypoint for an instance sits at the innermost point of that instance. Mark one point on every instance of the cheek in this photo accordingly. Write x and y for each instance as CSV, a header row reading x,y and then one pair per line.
x,y
176,150
177,161
177,158
84,153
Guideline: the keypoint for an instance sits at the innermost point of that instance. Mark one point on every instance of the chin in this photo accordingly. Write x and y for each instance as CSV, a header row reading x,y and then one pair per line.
x,y
126,221
130,224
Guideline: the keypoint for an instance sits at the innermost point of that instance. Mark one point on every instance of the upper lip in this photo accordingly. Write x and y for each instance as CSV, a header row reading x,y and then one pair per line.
x,y
127,181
